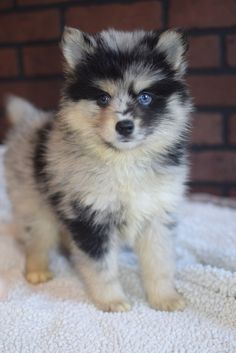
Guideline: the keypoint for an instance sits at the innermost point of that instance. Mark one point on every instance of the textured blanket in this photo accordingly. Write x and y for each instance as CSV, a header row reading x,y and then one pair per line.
x,y
57,317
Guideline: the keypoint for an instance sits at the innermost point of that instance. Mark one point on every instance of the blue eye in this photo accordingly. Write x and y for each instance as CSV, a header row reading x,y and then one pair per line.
x,y
144,99
103,100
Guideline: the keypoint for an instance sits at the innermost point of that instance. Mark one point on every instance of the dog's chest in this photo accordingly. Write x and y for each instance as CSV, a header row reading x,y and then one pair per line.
x,y
130,194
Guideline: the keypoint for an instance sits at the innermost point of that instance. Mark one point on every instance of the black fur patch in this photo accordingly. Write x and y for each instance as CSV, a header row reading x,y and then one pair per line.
x,y
83,90
165,88
87,39
55,200
150,40
90,236
39,157
176,154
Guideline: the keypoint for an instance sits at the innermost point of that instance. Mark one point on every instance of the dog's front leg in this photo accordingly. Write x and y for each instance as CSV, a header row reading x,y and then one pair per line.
x,y
155,252
100,275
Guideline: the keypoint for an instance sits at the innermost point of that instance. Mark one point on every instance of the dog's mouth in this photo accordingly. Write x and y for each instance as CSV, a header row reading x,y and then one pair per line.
x,y
125,143
126,139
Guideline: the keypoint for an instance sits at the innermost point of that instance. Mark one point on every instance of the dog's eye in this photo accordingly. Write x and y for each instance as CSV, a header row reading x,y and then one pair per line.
x,y
144,99
103,100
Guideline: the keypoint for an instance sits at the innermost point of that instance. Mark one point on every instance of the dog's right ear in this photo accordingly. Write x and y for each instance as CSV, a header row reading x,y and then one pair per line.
x,y
75,44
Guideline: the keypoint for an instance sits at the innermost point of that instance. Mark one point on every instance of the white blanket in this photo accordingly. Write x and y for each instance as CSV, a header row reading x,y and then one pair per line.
x,y
56,317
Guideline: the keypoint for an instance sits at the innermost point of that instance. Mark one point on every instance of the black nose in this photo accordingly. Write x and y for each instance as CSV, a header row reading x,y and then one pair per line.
x,y
125,127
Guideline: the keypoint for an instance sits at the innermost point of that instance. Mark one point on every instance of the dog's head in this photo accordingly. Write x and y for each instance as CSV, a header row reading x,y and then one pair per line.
x,y
125,89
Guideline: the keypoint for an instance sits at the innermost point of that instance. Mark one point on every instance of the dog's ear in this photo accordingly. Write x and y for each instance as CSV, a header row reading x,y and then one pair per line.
x,y
75,44
173,43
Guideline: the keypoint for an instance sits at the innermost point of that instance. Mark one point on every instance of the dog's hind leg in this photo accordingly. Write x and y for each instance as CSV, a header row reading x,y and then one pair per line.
x,y
42,237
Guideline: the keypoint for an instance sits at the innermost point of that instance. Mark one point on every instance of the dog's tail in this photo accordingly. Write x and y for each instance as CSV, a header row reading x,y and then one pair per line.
x,y
18,109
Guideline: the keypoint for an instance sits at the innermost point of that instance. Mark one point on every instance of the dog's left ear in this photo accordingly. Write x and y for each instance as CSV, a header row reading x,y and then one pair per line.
x,y
173,44
75,44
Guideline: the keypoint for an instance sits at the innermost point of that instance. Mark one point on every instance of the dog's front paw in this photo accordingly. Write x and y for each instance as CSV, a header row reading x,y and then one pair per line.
x,y
36,277
167,303
119,305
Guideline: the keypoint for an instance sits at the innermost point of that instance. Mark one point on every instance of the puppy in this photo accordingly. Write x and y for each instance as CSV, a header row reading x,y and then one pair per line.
x,y
109,167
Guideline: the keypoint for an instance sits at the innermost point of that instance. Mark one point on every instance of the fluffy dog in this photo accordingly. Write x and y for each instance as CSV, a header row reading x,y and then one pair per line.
x,y
109,167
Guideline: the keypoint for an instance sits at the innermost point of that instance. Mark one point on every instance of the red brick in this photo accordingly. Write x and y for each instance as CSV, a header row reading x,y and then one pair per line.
x,y
8,63
232,129
16,27
219,166
213,90
207,129
39,2
145,15
43,93
42,60
202,13
203,51
6,4
213,190
232,192
231,49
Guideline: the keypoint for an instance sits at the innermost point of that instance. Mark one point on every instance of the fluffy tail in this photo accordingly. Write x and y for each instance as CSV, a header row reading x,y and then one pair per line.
x,y
19,109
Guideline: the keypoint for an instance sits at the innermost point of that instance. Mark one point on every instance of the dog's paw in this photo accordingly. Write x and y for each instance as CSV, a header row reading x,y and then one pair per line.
x,y
36,277
171,301
119,305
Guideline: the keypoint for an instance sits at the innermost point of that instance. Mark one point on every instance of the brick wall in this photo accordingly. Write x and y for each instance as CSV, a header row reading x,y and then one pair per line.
x,y
30,65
